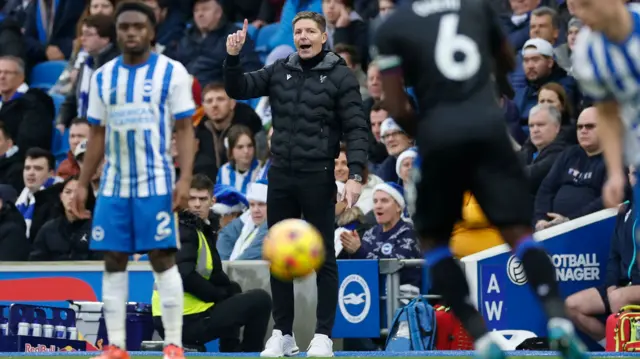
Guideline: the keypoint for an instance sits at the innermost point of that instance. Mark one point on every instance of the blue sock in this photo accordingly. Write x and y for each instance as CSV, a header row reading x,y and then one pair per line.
x,y
524,245
435,255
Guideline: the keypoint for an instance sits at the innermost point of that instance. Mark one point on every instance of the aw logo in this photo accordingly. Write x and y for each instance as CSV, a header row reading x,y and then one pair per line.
x,y
354,298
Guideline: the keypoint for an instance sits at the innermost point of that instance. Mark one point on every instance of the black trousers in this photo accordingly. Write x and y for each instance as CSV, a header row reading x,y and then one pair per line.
x,y
312,195
223,321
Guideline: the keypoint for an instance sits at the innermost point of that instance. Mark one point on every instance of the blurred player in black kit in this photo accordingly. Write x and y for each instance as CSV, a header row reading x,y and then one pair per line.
x,y
448,51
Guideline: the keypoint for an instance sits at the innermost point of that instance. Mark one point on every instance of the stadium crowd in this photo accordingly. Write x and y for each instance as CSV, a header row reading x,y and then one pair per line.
x,y
43,129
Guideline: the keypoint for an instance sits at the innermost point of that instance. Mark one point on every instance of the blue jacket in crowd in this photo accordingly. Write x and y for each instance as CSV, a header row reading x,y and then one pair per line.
x,y
622,267
573,187
228,236
526,97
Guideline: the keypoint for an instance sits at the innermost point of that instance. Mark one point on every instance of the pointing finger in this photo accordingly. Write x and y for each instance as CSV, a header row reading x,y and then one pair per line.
x,y
245,27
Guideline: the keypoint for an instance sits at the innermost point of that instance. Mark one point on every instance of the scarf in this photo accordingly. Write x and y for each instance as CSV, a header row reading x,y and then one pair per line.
x,y
85,82
246,237
10,152
22,89
45,16
26,202
228,175
264,171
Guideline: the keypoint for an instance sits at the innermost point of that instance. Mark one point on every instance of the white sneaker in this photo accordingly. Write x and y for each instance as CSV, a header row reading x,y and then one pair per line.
x,y
280,345
321,346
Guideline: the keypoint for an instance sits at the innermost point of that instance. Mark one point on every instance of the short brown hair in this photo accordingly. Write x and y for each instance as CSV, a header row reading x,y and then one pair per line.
x,y
104,25
214,86
317,18
377,106
349,49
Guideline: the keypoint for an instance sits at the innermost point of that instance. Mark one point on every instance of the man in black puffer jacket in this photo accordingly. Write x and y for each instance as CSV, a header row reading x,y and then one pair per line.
x,y
315,103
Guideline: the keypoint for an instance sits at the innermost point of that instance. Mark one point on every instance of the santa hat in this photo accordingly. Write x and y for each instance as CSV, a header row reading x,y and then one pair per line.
x,y
392,189
389,125
228,200
408,153
258,191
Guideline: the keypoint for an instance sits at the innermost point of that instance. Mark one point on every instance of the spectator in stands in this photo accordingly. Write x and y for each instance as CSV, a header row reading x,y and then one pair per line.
x,y
473,233
221,112
201,200
384,9
11,161
370,181
377,149
229,204
374,86
573,186
214,306
27,113
13,240
41,189
65,238
243,166
98,38
554,94
566,11
346,26
78,131
540,68
563,52
78,154
589,308
202,49
169,29
392,237
350,56
516,24
544,146
265,162
68,77
396,141
405,163
348,220
242,239
544,24
50,29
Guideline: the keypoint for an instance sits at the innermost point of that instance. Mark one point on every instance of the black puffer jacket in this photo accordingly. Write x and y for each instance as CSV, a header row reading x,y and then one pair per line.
x,y
312,110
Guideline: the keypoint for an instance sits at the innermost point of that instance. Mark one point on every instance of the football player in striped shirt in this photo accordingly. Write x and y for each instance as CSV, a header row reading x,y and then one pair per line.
x,y
135,101
606,63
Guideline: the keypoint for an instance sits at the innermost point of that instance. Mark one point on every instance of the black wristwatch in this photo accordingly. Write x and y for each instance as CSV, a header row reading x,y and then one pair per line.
x,y
356,178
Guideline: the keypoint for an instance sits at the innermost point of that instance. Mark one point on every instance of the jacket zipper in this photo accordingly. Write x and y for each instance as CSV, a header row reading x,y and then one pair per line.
x,y
299,83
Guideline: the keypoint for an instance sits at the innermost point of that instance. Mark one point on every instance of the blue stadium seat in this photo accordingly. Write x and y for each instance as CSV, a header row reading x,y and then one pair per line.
x,y
57,101
252,30
264,37
47,73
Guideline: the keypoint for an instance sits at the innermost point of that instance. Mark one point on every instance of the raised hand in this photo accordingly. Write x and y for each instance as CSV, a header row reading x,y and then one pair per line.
x,y
236,40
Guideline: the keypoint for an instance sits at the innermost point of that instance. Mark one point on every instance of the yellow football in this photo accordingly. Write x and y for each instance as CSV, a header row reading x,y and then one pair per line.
x,y
294,249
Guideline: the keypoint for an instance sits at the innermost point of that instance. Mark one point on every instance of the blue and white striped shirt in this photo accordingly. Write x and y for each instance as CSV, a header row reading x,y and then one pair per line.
x,y
138,105
610,71
227,175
